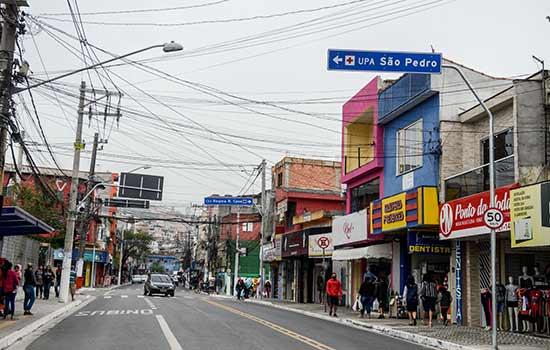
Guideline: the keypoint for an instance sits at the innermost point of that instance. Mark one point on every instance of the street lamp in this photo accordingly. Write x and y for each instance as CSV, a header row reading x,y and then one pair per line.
x,y
145,167
71,217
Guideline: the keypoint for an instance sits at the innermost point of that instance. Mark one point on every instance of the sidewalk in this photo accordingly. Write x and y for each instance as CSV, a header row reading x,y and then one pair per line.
x,y
450,337
44,312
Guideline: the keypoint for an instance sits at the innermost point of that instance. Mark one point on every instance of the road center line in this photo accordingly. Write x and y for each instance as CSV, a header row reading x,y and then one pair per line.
x,y
314,344
150,303
172,341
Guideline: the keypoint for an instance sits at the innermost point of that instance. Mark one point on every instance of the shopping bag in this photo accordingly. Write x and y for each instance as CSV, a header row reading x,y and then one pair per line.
x,y
357,306
375,305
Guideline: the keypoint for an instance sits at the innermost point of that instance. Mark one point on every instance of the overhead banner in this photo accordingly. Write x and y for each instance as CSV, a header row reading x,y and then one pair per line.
x,y
316,242
530,216
463,217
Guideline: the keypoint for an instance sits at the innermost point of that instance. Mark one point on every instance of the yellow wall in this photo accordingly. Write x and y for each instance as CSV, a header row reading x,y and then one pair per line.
x,y
358,140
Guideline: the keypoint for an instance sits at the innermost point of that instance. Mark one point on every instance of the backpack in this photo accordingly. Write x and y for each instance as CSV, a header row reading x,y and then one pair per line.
x,y
412,294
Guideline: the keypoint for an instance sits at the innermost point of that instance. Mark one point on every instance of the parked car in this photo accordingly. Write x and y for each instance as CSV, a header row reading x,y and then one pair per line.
x,y
139,278
159,284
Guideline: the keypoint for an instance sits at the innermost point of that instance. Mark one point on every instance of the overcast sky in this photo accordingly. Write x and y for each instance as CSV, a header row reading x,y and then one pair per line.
x,y
265,92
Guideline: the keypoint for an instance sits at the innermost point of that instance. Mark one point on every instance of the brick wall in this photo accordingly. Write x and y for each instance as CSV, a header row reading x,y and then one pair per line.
x,y
308,174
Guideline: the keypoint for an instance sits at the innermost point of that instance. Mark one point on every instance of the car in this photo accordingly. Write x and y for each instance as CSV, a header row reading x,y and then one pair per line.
x,y
159,284
139,278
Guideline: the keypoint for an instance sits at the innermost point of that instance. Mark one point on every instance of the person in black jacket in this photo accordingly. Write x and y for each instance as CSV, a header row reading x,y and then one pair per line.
x,y
382,295
28,287
367,293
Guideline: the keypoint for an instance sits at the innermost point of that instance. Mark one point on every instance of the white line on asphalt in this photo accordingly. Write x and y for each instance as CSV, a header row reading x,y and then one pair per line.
x,y
106,297
172,341
124,296
150,303
141,296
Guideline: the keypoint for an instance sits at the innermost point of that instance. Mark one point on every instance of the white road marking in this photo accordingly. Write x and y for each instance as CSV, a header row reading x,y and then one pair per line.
x,y
150,303
106,297
141,296
124,296
187,297
172,341
114,312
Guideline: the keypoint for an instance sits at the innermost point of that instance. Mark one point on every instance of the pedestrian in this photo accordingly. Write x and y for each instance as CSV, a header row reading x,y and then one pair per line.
x,y
57,280
239,288
367,293
320,287
444,298
428,295
18,273
48,278
248,287
10,289
2,297
382,295
39,282
72,282
410,297
28,287
334,293
267,289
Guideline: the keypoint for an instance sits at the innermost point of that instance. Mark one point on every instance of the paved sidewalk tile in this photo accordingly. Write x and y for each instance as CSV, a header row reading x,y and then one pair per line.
x,y
469,337
40,309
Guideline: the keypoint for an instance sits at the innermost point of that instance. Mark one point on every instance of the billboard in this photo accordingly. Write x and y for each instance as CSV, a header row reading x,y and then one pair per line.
x,y
530,216
140,186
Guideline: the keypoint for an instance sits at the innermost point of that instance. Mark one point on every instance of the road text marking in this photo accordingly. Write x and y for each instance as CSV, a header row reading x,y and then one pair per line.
x,y
124,296
287,332
114,312
106,297
172,341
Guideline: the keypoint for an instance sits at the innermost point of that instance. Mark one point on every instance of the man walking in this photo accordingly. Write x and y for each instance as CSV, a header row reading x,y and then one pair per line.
x,y
334,293
28,287
57,281
72,282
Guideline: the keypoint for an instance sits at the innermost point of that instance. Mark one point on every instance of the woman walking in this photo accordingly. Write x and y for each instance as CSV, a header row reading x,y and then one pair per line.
x,y
10,285
48,278
366,291
382,295
38,279
410,296
428,294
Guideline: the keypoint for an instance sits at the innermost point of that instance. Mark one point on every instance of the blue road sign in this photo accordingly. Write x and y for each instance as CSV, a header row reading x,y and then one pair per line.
x,y
384,61
229,201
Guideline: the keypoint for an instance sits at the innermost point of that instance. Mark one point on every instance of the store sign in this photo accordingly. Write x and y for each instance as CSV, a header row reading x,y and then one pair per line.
x,y
281,210
351,228
458,274
463,217
272,251
100,256
530,216
427,243
394,212
294,244
316,242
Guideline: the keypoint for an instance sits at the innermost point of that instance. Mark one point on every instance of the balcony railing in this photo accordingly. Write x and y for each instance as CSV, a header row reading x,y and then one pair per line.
x,y
477,180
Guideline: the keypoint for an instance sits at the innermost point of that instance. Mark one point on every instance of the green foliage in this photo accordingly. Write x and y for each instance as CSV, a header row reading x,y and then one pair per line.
x,y
136,246
157,267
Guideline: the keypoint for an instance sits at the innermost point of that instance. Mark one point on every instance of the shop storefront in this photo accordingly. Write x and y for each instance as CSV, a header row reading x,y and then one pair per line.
x,y
409,220
272,256
101,258
461,223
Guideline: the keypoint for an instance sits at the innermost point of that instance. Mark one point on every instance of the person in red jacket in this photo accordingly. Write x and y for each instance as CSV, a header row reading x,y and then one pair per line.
x,y
334,293
10,284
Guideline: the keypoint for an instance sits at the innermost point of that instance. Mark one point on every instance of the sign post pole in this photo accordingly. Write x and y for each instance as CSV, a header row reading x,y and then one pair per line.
x,y
324,279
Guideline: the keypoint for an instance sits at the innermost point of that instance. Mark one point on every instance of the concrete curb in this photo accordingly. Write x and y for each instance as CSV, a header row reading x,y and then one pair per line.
x,y
31,328
387,331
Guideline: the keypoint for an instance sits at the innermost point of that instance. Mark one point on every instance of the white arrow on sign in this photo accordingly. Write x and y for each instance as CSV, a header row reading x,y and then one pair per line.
x,y
338,60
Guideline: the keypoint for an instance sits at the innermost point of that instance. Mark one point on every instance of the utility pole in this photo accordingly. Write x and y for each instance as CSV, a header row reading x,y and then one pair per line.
x,y
7,48
237,252
263,214
71,216
84,222
120,258
20,157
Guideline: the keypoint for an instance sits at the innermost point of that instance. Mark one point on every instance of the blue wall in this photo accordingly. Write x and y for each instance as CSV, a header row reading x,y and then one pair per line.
x,y
428,173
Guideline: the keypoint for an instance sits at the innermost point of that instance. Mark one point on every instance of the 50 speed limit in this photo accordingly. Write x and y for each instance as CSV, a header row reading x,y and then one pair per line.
x,y
493,218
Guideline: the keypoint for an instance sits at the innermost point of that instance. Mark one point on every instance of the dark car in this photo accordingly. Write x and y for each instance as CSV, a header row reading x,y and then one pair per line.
x,y
159,284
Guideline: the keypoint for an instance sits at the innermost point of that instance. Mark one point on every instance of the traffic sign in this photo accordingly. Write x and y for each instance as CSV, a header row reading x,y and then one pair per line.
x,y
384,61
229,201
323,242
493,218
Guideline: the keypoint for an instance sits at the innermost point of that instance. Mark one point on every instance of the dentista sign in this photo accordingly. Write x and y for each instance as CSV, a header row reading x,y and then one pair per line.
x,y
463,217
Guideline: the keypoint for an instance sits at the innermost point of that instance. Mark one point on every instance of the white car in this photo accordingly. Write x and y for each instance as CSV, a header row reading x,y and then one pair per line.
x,y
139,279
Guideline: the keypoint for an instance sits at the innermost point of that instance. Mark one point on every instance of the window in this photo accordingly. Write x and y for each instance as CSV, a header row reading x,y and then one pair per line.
x,y
409,147
247,226
363,195
279,179
504,146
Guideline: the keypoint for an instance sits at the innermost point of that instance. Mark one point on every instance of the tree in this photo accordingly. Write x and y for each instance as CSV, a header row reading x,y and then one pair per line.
x,y
136,246
157,267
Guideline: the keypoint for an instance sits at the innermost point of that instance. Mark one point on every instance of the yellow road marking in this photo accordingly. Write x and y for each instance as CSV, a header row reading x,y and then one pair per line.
x,y
287,332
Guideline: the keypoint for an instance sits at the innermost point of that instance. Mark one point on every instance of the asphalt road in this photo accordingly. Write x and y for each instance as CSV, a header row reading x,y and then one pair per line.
x,y
125,319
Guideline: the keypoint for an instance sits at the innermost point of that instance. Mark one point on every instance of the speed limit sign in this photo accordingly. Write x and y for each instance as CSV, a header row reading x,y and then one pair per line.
x,y
493,218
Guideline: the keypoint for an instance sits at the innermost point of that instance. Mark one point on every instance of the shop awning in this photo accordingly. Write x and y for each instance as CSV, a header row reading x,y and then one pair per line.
x,y
371,252
14,221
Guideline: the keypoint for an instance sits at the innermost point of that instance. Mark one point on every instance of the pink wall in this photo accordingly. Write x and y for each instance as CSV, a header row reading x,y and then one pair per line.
x,y
366,98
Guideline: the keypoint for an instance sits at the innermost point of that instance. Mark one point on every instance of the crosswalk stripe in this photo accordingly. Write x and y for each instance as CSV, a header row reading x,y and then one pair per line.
x,y
141,296
124,296
106,297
